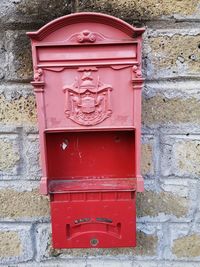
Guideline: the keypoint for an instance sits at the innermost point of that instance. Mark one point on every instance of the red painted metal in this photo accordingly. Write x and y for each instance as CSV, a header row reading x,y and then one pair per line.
x,y
86,221
87,80
90,154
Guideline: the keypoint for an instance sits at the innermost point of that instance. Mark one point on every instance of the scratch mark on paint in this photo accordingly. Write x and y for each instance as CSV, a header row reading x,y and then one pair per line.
x,y
64,144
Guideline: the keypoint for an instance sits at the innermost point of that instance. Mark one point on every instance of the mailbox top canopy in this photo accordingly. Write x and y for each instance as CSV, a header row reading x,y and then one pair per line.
x,y
63,28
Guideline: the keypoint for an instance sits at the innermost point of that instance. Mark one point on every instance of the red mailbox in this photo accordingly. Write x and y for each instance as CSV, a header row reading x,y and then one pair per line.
x,y
87,80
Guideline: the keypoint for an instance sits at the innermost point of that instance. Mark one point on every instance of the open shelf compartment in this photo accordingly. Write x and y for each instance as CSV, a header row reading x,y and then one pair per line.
x,y
90,155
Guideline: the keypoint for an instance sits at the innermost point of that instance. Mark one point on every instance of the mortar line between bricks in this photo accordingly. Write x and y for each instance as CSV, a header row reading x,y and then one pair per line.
x,y
156,159
36,182
22,168
184,136
167,20
180,177
35,25
48,222
147,81
133,258
26,90
166,239
173,79
33,130
133,262
19,179
197,134
28,222
163,222
17,81
167,221
17,223
12,132
22,263
6,82
19,183
195,214
185,127
159,25
181,78
34,240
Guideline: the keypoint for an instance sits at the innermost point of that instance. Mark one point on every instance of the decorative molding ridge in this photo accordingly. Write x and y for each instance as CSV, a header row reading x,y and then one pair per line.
x,y
85,17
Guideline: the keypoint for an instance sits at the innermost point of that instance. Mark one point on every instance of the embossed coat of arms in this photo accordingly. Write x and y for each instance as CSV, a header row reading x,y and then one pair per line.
x,y
88,98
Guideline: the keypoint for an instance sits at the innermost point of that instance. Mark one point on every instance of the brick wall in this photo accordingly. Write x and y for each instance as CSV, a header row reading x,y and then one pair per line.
x,y
168,212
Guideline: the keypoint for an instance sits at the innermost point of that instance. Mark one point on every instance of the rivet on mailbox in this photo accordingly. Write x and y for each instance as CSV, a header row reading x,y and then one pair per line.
x,y
87,81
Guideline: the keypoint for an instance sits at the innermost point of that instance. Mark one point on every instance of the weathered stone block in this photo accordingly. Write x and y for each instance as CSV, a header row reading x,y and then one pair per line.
x,y
176,186
187,156
147,159
162,110
9,156
180,157
43,241
26,205
17,109
32,155
15,244
184,240
18,13
18,56
187,246
172,55
3,61
142,10
152,204
146,244
10,244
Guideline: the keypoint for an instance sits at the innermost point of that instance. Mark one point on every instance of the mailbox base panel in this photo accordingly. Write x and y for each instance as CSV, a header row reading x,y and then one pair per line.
x,y
89,222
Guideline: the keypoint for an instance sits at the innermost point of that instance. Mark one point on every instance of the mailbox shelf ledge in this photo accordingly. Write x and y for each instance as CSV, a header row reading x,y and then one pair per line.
x,y
92,185
124,128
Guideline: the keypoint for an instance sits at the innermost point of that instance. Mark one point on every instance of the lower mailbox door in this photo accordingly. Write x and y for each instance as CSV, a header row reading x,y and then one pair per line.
x,y
94,223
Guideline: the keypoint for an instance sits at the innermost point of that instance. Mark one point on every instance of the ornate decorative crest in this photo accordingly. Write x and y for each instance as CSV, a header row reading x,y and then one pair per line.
x,y
88,99
86,36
